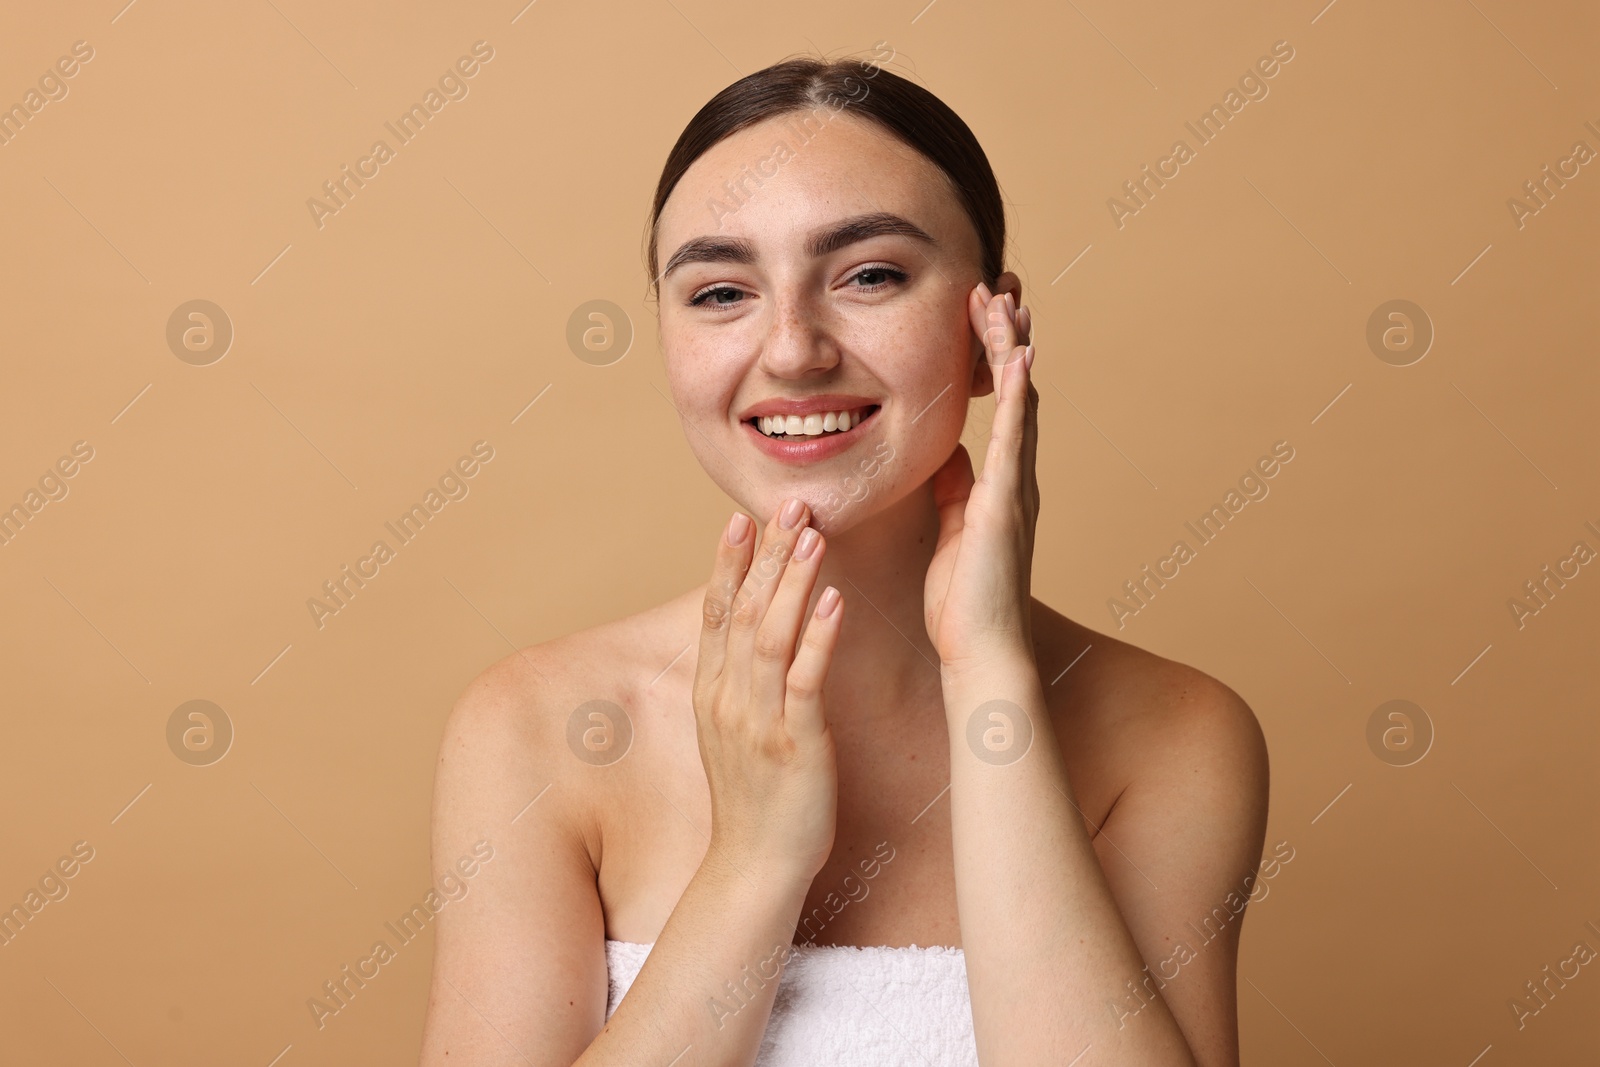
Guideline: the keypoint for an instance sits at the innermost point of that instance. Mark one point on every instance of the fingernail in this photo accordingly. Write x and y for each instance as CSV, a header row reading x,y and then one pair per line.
x,y
827,602
983,291
1027,358
789,517
806,544
738,526
1011,305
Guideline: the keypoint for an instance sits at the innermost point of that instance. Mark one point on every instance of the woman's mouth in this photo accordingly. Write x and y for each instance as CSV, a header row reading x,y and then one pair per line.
x,y
810,438
805,427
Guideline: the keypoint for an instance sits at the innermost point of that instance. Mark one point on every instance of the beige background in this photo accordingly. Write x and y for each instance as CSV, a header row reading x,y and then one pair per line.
x,y
1228,314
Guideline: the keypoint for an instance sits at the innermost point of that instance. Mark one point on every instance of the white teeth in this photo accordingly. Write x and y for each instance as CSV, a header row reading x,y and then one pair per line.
x,y
808,425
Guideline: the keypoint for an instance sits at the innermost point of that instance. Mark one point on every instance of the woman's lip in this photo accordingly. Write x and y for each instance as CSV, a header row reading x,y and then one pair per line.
x,y
810,405
813,449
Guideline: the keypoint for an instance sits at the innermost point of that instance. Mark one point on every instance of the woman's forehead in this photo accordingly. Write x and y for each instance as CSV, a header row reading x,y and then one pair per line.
x,y
771,185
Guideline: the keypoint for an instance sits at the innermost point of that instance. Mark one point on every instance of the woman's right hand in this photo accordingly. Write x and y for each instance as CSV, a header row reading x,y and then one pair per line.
x,y
763,734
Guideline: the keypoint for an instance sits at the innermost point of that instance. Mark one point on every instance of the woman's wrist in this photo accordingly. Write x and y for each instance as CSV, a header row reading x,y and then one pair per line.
x,y
749,870
991,665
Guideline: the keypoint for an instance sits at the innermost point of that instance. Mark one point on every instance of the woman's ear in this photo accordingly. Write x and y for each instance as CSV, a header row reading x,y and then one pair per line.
x,y
982,374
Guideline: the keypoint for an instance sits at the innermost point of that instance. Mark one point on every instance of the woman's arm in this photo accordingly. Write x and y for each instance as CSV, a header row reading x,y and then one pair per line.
x,y
519,965
1056,955
519,972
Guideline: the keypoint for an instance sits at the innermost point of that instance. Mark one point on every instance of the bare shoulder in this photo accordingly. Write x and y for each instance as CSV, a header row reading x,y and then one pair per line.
x,y
599,658
510,792
524,704
1144,711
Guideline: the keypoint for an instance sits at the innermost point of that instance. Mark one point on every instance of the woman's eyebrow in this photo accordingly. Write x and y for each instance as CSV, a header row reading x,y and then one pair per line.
x,y
859,228
821,241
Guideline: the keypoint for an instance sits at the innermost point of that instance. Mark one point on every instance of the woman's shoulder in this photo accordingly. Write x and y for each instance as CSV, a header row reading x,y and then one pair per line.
x,y
537,687
1099,685
532,725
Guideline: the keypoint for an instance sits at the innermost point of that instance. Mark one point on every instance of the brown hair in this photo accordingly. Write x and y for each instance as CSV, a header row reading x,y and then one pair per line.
x,y
904,108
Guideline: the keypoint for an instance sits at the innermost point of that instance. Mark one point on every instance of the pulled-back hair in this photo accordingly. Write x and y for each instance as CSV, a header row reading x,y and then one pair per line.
x,y
907,110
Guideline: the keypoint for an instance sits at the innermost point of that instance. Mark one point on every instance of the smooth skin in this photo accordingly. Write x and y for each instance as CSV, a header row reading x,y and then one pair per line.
x,y
782,731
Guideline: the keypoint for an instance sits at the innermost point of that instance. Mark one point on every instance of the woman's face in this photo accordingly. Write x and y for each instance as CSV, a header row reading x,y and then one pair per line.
x,y
806,278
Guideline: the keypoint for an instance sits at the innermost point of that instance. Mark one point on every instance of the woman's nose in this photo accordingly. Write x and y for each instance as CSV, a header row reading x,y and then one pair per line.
x,y
798,340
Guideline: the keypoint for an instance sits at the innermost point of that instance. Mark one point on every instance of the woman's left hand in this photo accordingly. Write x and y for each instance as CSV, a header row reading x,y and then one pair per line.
x,y
977,599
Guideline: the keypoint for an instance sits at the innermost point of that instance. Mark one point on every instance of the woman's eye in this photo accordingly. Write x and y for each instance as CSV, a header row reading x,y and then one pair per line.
x,y
719,292
874,278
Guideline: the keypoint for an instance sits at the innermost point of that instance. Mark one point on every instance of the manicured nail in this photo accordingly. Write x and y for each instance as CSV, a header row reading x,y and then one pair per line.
x,y
827,602
1011,305
983,291
806,545
738,526
789,517
1027,358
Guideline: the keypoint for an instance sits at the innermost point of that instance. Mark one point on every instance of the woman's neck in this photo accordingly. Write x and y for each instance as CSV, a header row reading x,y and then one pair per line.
x,y
884,659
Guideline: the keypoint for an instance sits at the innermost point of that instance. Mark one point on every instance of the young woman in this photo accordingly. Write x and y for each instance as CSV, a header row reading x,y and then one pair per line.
x,y
859,797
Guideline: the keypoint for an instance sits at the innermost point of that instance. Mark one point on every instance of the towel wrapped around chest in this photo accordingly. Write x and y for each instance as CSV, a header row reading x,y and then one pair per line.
x,y
840,1006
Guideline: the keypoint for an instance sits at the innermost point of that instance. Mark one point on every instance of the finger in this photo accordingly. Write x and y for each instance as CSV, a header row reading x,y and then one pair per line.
x,y
803,710
978,314
774,647
952,484
991,334
1030,439
1009,463
1030,436
759,586
727,573
1000,331
1003,463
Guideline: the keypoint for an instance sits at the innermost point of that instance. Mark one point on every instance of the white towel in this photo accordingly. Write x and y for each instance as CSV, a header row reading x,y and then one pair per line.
x,y
838,1006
